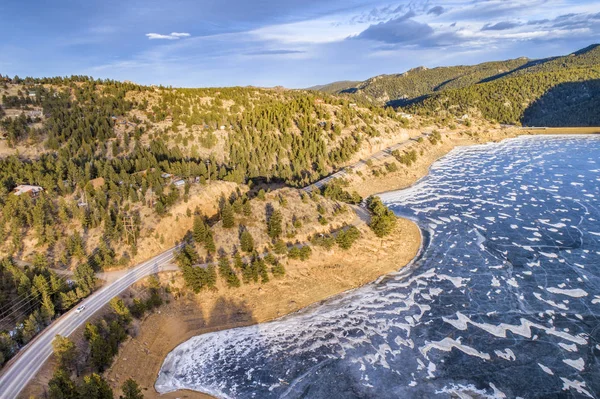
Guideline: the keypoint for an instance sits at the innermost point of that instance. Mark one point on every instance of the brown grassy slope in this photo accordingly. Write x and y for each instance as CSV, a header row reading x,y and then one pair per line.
x,y
325,274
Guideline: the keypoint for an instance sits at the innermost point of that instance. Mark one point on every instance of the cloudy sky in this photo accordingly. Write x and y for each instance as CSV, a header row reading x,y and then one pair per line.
x,y
294,43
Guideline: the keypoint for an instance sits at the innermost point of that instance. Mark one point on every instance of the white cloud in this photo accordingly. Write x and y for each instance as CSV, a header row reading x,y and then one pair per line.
x,y
316,31
171,36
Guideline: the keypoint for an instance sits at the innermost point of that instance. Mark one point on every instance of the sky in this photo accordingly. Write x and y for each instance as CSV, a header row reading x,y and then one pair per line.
x,y
292,43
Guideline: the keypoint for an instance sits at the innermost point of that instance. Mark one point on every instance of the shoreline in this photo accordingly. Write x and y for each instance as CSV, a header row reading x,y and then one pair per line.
x,y
407,268
325,275
451,140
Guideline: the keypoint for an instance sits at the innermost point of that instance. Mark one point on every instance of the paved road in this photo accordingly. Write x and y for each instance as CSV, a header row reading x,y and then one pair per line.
x,y
30,359
378,156
21,369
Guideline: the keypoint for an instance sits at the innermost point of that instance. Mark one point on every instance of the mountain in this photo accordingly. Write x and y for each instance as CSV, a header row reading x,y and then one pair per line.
x,y
407,86
517,91
558,91
97,174
335,87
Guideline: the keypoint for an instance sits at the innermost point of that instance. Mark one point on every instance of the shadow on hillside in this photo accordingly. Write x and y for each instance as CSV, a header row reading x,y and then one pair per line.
x,y
522,67
573,104
406,102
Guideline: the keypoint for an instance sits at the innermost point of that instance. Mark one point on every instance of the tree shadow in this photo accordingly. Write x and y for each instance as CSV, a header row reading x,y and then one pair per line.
x,y
226,313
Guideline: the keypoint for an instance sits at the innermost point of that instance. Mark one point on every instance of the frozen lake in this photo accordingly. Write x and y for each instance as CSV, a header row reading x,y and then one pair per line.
x,y
503,302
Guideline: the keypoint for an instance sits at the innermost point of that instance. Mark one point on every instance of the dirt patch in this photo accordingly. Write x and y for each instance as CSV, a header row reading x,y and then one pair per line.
x,y
165,232
327,273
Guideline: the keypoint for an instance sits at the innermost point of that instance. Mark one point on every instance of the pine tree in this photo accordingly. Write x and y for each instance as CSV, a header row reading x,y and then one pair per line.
x,y
65,352
121,310
238,262
228,273
61,386
199,229
247,208
274,228
131,390
280,247
209,242
383,220
227,216
47,309
95,387
247,241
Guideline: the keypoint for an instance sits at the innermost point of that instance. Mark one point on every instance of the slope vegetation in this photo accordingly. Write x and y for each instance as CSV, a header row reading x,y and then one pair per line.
x,y
559,90
539,94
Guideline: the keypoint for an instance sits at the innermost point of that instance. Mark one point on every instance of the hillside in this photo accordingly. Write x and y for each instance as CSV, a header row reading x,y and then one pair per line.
x,y
560,91
117,172
403,88
335,87
556,91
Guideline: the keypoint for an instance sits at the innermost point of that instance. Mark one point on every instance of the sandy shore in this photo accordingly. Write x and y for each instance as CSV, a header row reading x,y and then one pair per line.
x,y
368,184
327,273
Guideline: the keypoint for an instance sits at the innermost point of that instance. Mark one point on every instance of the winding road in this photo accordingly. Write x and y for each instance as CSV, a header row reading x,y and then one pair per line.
x,y
21,369
25,365
378,156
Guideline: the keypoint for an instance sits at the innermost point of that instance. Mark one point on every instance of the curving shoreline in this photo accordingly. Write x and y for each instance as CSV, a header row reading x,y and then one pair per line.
x,y
326,275
229,342
421,236
422,233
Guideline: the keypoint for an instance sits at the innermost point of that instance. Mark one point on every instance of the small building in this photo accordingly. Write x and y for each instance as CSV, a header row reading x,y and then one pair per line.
x,y
32,191
352,105
318,101
405,115
179,183
166,175
222,127
32,94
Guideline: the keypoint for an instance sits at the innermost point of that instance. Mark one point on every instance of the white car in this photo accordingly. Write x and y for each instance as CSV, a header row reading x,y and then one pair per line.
x,y
80,309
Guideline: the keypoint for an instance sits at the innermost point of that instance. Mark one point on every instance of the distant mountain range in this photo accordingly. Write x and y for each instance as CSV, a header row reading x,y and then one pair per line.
x,y
336,87
556,91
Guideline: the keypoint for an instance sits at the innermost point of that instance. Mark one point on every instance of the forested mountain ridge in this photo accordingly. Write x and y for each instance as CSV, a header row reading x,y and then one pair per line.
x,y
335,87
416,82
558,92
500,91
402,88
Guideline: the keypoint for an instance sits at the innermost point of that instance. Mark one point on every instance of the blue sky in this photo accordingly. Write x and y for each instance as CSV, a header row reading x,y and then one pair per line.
x,y
293,43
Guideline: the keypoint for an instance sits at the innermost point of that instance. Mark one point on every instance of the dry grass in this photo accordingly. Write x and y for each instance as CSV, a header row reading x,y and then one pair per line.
x,y
325,274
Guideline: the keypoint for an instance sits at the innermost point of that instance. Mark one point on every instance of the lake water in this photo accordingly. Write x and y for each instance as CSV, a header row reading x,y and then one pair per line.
x,y
503,302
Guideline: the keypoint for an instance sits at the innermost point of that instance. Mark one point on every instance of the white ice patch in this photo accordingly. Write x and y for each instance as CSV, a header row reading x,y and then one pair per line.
x,y
568,347
545,369
574,293
507,354
447,344
578,386
524,329
578,364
